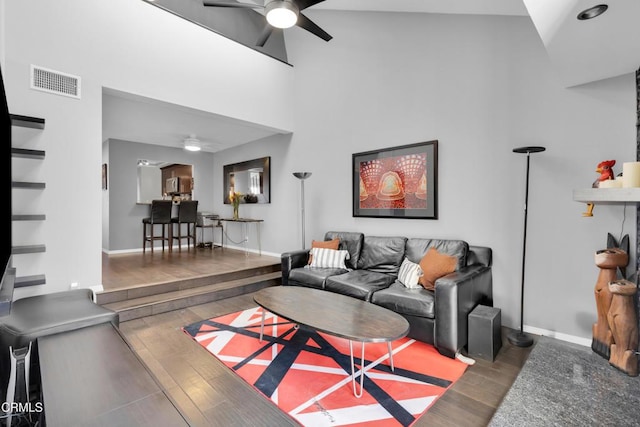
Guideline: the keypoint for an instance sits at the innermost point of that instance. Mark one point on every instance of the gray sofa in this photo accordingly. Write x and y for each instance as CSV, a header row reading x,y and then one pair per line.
x,y
437,317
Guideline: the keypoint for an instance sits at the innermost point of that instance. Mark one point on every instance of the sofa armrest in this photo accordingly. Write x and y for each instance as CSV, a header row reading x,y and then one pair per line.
x,y
456,295
291,260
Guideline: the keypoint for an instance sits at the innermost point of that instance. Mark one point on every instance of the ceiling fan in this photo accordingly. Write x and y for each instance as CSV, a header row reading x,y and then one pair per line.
x,y
194,143
279,14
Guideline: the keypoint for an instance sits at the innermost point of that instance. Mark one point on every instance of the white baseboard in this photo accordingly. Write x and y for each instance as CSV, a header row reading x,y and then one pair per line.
x,y
121,251
239,248
137,250
558,335
253,251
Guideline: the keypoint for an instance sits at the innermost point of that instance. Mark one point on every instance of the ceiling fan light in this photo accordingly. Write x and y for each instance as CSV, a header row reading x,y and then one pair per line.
x,y
592,12
192,144
281,13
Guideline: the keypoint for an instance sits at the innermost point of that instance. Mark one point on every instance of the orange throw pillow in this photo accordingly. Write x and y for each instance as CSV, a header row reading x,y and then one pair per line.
x,y
326,244
434,265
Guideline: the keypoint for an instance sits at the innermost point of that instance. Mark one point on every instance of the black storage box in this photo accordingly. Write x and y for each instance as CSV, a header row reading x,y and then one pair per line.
x,y
485,337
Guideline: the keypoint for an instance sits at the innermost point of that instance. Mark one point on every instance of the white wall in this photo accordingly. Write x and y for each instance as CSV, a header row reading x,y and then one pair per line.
x,y
105,197
2,33
125,215
129,46
279,225
149,183
481,86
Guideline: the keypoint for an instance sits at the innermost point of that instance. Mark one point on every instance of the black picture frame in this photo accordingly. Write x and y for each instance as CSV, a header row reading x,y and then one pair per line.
x,y
396,182
261,166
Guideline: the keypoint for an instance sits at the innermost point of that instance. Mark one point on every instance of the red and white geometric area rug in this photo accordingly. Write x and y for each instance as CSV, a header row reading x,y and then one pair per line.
x,y
307,374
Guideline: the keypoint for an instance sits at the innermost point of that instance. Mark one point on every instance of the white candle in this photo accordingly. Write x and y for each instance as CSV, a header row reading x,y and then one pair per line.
x,y
631,174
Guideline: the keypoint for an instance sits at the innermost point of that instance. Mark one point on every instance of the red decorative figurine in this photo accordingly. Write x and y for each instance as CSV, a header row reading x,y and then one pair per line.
x,y
605,169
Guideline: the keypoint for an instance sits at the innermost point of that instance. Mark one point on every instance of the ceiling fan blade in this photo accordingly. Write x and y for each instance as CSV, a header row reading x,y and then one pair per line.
x,y
231,5
309,25
303,4
264,36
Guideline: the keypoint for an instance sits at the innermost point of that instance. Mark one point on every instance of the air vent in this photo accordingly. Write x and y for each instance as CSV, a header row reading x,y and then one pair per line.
x,y
55,82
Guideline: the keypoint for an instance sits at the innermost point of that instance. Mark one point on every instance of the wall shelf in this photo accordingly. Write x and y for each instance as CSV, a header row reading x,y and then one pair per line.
x,y
37,217
28,185
27,154
27,249
27,121
25,281
607,195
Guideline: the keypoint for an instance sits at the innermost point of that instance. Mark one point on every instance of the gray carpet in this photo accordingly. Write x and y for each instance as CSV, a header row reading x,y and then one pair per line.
x,y
563,384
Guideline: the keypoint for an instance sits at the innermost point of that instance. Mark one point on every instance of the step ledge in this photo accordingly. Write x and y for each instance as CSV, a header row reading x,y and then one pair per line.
x,y
147,301
179,285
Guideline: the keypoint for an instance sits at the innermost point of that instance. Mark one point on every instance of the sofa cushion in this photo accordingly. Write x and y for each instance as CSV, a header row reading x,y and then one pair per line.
x,y
409,274
417,248
313,277
328,244
349,241
415,302
435,265
479,255
328,258
358,283
382,254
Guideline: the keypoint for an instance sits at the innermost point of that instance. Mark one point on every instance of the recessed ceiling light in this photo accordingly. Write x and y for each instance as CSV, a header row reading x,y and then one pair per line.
x,y
592,12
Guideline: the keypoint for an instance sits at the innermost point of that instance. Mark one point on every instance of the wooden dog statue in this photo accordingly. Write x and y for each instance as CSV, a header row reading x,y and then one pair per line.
x,y
624,329
608,261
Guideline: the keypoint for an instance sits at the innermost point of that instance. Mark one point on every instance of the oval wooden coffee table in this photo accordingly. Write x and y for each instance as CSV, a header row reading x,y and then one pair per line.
x,y
337,315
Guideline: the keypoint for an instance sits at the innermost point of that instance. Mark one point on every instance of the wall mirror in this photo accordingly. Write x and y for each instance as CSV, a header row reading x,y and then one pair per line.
x,y
250,178
164,180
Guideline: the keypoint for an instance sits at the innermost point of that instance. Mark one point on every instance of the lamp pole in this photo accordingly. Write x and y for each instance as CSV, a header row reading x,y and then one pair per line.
x,y
302,176
520,338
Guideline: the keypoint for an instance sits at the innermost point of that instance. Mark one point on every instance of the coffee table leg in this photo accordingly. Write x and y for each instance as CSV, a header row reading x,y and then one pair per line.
x,y
264,313
390,355
353,370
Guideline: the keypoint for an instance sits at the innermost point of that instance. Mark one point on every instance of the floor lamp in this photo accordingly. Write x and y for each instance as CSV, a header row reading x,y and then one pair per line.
x,y
302,176
520,338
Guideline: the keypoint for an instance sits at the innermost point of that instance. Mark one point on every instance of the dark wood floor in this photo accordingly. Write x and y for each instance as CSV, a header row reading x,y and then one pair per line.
x,y
209,394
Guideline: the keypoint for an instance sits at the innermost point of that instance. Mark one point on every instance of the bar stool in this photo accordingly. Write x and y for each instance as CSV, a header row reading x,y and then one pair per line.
x,y
187,214
160,215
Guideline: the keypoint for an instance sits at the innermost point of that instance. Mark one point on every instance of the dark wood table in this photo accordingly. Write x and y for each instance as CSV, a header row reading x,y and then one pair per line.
x,y
91,377
334,314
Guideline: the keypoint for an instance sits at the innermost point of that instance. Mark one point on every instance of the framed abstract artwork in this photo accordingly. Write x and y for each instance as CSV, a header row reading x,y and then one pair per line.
x,y
397,182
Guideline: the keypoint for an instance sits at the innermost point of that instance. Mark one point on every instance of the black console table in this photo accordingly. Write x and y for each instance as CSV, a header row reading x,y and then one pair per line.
x,y
212,221
244,222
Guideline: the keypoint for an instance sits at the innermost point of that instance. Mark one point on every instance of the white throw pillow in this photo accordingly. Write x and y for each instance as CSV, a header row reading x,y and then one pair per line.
x,y
328,258
409,274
